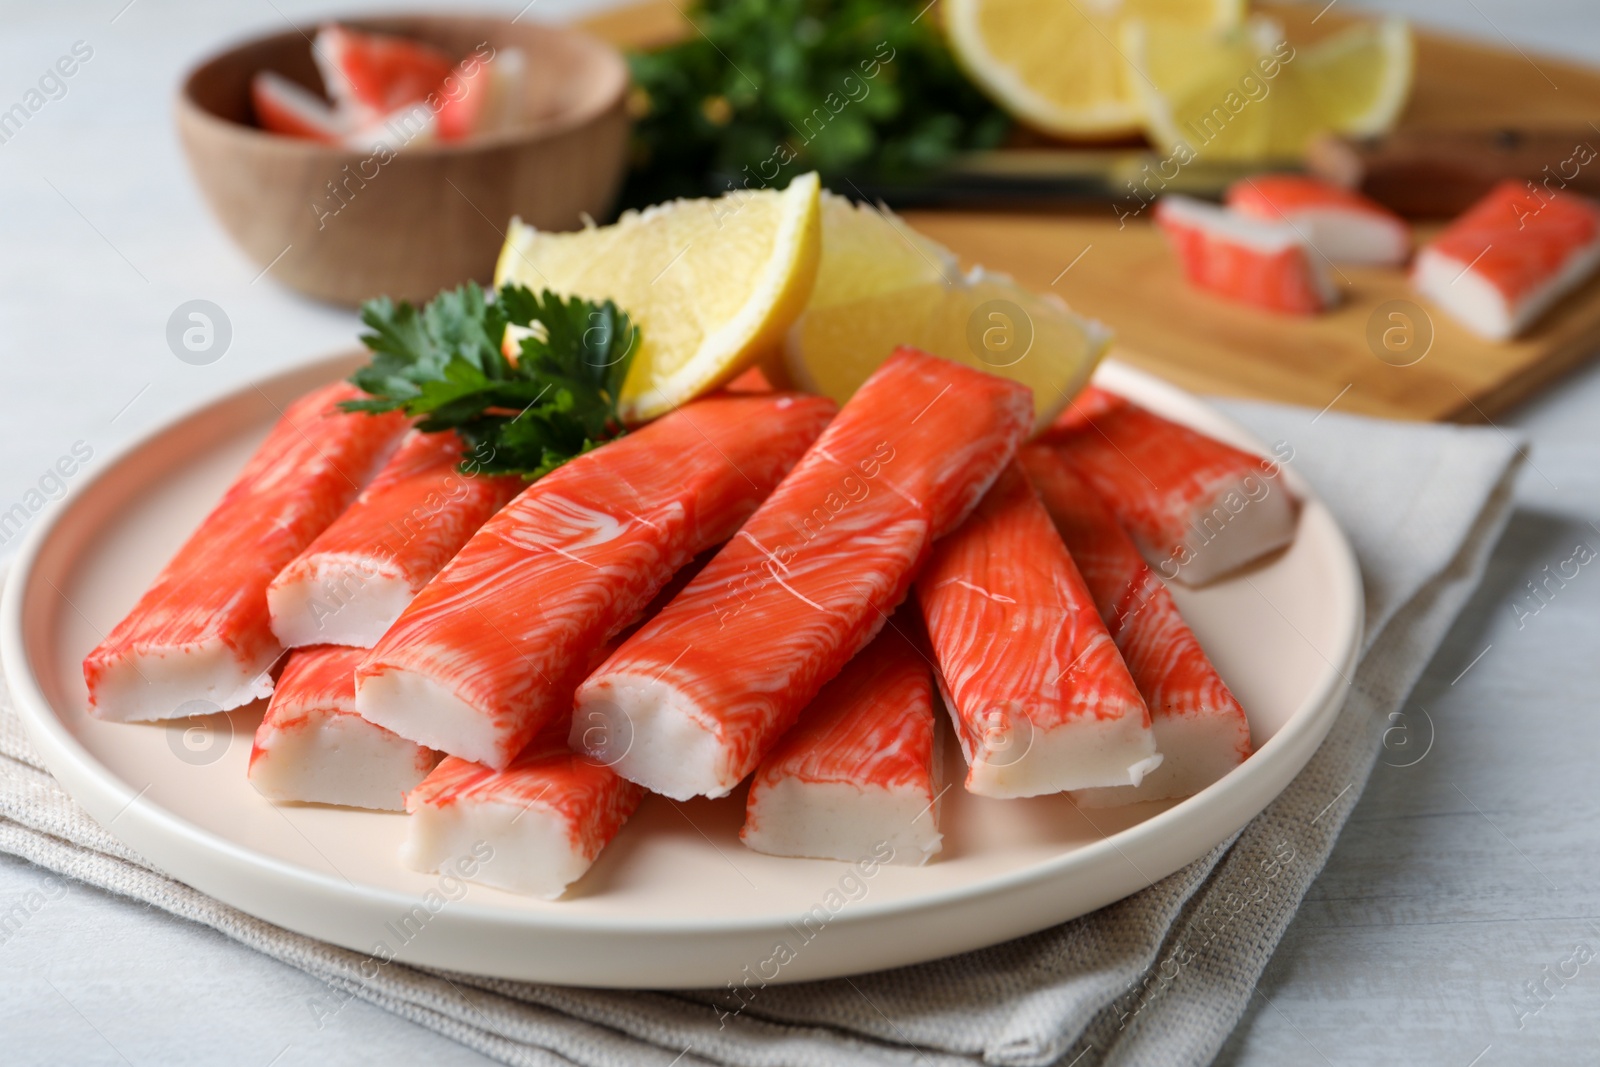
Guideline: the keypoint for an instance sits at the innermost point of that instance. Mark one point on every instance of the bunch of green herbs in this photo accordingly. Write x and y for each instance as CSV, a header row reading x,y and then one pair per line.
x,y
766,89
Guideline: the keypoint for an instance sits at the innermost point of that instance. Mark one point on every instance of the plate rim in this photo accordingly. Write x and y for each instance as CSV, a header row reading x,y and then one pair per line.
x,y
99,789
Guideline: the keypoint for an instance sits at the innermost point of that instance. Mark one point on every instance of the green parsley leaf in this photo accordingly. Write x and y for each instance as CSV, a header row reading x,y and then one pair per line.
x,y
766,89
443,364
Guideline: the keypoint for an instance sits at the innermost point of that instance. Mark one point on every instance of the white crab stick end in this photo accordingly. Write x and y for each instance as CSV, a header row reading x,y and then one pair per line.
x,y
1197,750
170,683
535,827
1341,224
337,601
1215,544
1508,260
1197,508
351,583
313,748
858,775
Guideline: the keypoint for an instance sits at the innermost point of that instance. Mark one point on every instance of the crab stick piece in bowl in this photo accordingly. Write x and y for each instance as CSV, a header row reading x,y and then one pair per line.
x,y
1246,260
858,774
1340,224
202,632
1197,508
355,579
1508,260
1200,729
696,698
485,656
312,747
1038,692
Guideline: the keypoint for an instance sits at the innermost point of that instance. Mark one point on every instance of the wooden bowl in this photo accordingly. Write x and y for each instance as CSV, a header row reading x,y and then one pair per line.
x,y
345,224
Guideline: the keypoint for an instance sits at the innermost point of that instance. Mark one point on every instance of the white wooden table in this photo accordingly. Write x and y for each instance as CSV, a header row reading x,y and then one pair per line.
x,y
1459,881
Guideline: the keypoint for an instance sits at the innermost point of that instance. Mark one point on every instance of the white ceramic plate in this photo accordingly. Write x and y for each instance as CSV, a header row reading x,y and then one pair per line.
x,y
675,900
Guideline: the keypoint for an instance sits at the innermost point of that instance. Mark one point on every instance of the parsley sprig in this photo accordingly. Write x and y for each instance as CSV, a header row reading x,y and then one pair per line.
x,y
443,363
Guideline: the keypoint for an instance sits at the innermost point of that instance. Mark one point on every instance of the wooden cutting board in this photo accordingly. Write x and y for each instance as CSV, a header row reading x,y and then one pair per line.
x,y
1122,273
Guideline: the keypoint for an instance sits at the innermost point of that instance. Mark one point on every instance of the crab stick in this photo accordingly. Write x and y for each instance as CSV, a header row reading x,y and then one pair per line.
x,y
1339,223
287,107
1036,688
1197,508
352,582
485,655
482,95
1200,729
860,769
312,747
201,632
1243,259
369,75
1508,260
533,828
699,695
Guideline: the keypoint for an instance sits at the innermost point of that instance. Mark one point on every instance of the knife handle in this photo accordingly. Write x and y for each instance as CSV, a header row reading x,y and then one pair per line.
x,y
1441,173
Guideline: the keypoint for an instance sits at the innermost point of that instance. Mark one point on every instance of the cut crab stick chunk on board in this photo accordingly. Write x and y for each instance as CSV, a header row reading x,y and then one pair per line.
x,y
1200,729
485,655
859,772
1243,259
312,747
1038,693
1197,508
352,582
533,828
694,700
201,632
1507,261
1340,224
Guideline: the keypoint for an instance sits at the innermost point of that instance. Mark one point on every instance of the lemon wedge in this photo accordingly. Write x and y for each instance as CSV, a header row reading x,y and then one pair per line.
x,y
712,283
1057,64
1246,94
1360,78
881,284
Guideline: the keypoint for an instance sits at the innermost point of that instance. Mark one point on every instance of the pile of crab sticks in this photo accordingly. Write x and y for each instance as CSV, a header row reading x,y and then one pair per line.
x,y
758,587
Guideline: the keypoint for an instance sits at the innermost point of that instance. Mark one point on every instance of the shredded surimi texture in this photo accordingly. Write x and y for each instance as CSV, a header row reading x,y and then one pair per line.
x,y
1037,691
1200,729
1513,254
700,693
1340,224
1249,260
858,774
535,826
1197,508
312,747
352,582
490,651
200,638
